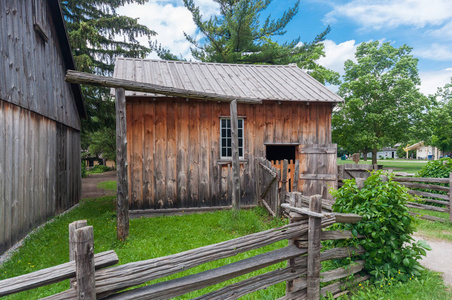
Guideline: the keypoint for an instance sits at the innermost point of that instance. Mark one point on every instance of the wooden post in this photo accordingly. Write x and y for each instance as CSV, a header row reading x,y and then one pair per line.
x,y
360,182
122,201
235,157
450,197
282,192
84,263
72,242
296,176
314,266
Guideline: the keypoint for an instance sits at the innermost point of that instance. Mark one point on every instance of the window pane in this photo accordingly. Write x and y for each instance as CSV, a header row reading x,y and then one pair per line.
x,y
223,132
240,143
223,123
240,152
229,133
223,151
229,142
229,152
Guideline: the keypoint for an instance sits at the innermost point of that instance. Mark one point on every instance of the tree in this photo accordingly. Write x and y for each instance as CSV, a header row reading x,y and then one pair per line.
x,y
441,119
98,35
237,36
383,105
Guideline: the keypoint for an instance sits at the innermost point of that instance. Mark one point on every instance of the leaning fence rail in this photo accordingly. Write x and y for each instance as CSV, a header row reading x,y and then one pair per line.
x,y
303,254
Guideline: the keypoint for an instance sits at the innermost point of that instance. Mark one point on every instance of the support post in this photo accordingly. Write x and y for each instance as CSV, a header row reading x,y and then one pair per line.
x,y
72,242
282,192
296,176
450,197
314,266
84,263
235,157
122,201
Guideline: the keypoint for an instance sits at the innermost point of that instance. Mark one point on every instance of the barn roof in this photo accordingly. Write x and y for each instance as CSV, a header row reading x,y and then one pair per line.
x,y
265,82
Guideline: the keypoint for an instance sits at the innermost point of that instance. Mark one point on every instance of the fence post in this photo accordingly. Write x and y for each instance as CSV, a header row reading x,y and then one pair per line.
x,y
314,266
450,197
235,157
84,263
72,242
296,176
282,192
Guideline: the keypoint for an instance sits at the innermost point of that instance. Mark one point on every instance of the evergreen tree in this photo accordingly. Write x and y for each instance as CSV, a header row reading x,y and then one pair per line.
x,y
238,36
98,35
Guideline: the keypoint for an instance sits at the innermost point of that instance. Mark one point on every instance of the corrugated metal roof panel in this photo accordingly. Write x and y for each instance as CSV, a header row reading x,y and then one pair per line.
x,y
266,82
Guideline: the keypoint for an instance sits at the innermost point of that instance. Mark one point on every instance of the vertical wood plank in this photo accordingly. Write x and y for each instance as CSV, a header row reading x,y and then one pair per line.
x,y
314,266
72,241
215,169
122,201
204,159
171,152
137,153
283,190
160,156
148,159
235,157
2,176
193,155
84,263
182,153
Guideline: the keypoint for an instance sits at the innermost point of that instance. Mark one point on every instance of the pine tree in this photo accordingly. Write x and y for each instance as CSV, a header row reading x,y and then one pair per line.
x,y
98,35
238,36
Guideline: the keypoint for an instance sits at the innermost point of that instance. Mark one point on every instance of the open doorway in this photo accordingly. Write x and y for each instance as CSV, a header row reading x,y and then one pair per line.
x,y
281,152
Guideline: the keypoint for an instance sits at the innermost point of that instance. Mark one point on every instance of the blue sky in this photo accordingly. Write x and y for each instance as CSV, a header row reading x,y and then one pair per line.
x,y
425,25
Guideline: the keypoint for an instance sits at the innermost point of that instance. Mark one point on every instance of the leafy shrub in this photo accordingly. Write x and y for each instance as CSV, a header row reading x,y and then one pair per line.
x,y
83,168
391,253
436,168
99,169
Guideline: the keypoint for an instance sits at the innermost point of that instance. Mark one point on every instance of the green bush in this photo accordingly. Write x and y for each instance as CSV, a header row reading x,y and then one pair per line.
x,y
83,168
391,253
98,169
436,168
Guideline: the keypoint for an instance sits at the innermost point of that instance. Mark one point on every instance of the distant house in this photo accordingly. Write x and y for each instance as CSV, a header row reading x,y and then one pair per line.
x,y
424,151
39,118
179,149
387,152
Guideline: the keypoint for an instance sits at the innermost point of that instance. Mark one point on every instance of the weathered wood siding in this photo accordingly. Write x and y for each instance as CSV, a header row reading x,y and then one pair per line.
x,y
174,151
32,71
39,171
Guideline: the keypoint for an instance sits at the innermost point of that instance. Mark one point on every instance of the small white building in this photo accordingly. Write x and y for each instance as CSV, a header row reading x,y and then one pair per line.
x,y
385,153
423,151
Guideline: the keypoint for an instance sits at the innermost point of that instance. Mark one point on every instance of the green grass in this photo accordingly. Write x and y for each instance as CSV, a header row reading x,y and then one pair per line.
x,y
108,185
433,229
397,165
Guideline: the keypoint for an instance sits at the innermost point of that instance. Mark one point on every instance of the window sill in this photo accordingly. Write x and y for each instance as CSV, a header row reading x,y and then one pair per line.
x,y
226,161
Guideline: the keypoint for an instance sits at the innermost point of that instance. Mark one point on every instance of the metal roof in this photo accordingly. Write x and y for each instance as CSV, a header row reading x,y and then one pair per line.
x,y
265,82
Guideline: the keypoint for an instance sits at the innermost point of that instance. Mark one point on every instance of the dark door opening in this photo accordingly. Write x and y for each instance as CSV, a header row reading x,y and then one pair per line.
x,y
281,152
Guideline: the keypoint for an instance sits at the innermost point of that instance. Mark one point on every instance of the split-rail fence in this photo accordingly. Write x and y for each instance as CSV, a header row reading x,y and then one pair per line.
x,y
302,274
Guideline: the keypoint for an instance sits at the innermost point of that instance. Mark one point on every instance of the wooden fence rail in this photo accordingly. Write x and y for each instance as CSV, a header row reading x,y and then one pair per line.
x,y
303,271
418,185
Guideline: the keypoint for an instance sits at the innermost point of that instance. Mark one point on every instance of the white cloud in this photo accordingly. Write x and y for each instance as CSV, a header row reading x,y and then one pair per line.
x,y
431,80
170,19
337,54
390,14
444,33
436,51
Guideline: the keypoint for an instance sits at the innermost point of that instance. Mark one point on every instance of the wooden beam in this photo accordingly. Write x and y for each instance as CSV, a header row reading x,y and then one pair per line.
x,y
314,266
91,79
235,157
122,201
72,242
84,263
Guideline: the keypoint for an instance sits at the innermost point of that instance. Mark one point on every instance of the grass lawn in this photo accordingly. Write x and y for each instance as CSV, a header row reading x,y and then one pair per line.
x,y
161,236
108,185
409,166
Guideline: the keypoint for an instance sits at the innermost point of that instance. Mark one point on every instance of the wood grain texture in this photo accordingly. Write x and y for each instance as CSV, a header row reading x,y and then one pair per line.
x,y
84,263
235,157
314,266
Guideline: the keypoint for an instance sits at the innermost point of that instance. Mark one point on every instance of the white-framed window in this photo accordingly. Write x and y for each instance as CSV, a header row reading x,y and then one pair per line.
x,y
226,137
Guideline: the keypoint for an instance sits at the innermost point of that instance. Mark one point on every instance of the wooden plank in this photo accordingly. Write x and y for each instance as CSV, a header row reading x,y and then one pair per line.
x,y
430,195
84,263
339,286
427,217
416,185
204,154
235,157
283,190
182,153
427,207
314,266
171,153
122,199
193,155
318,177
434,201
296,176
91,79
269,209
303,211
450,197
72,241
148,155
342,272
136,166
52,275
180,286
421,179
3,174
160,155
133,214
317,150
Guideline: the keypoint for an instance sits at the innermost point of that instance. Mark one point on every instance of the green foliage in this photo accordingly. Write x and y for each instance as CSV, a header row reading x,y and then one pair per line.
x,y
391,253
441,119
239,36
103,142
83,169
383,105
98,169
436,168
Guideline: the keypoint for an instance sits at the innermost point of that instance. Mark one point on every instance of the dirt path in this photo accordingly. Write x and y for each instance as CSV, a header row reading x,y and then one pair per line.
x,y
89,185
439,259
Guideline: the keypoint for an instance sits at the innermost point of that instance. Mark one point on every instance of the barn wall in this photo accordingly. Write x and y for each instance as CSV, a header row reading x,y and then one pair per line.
x,y
39,171
174,153
32,71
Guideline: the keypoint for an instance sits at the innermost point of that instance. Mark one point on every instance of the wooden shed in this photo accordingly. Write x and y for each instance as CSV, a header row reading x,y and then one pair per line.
x,y
39,118
179,149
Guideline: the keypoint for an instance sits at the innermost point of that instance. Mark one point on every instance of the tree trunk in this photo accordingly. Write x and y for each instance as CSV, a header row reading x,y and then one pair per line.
x,y
365,155
374,156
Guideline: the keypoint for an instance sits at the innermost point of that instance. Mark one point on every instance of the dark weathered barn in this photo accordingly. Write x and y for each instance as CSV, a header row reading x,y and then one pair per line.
x,y
39,118
179,149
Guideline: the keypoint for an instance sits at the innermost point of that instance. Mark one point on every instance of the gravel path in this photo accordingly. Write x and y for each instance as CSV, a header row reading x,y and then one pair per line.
x,y
439,259
89,185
